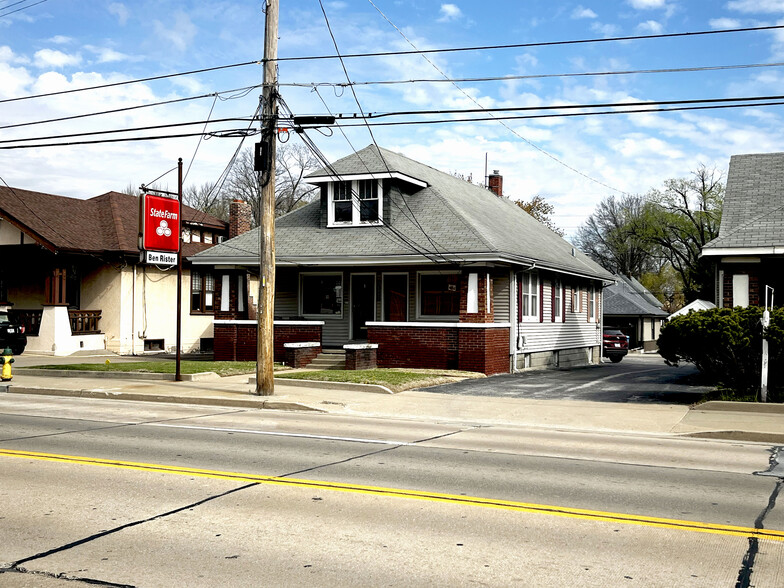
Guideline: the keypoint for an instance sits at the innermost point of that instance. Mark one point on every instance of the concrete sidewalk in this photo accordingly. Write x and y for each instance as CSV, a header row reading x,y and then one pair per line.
x,y
723,420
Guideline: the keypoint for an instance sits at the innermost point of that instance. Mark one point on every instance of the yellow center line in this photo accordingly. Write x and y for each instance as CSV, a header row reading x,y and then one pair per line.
x,y
577,513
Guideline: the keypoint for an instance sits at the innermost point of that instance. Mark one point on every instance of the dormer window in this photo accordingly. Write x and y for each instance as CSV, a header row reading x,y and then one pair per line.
x,y
355,203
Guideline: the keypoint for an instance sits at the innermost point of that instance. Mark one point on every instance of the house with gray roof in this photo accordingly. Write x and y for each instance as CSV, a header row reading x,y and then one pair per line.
x,y
630,307
427,269
749,251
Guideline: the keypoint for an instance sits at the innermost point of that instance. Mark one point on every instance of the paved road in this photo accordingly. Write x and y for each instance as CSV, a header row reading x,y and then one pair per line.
x,y
638,378
359,502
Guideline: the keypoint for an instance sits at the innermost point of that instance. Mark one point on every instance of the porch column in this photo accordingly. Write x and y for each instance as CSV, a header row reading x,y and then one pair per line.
x,y
55,288
476,297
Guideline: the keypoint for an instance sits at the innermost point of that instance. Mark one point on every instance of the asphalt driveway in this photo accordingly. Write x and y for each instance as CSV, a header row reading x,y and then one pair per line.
x,y
638,378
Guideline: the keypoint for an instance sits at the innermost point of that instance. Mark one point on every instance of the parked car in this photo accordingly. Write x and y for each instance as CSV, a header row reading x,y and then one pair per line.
x,y
616,344
11,335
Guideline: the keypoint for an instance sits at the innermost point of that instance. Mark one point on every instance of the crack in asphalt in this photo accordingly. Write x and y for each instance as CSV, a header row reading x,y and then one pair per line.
x,y
63,576
749,559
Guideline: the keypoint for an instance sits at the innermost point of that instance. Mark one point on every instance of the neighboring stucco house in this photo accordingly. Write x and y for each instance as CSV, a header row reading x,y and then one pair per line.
x,y
749,251
630,307
71,268
433,270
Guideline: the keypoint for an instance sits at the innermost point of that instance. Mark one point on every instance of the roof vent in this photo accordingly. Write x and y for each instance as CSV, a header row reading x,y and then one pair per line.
x,y
572,251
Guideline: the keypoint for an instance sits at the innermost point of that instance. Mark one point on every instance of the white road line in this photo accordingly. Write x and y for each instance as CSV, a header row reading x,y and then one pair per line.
x,y
280,434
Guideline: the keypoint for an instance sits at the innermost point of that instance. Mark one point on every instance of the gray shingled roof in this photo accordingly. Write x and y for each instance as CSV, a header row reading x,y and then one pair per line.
x,y
448,216
753,214
627,297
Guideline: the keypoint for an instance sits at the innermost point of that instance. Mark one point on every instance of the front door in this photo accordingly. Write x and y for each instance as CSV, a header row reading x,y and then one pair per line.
x,y
363,304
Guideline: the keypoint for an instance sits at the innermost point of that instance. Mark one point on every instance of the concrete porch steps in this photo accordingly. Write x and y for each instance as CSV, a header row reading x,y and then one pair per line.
x,y
329,359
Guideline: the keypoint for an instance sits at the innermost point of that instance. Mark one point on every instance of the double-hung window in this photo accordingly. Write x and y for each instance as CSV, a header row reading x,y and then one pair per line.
x,y
439,295
355,203
557,298
592,304
529,296
202,291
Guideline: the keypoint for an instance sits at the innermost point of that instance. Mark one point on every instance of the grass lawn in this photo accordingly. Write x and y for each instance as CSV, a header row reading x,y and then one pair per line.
x,y
222,368
396,380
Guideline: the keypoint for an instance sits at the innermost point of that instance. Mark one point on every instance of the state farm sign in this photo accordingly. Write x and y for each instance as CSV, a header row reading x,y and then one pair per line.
x,y
160,223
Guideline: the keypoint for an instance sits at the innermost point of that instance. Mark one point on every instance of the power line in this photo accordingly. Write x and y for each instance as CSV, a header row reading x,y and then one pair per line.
x,y
128,82
20,9
508,78
223,134
507,127
130,108
114,131
536,44
560,115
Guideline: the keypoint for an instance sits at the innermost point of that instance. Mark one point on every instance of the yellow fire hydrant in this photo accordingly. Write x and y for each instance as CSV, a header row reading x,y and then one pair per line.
x,y
8,359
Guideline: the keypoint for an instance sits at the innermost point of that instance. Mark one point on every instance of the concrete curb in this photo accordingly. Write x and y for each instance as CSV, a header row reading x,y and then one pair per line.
x,y
198,400
728,406
753,436
200,377
375,388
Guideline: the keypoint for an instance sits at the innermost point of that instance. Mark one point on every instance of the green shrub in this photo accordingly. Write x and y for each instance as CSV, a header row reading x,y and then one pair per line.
x,y
726,346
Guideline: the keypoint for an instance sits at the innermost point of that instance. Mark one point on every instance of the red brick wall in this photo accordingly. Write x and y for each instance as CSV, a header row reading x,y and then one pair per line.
x,y
238,342
471,349
300,357
361,359
754,285
482,316
415,347
484,350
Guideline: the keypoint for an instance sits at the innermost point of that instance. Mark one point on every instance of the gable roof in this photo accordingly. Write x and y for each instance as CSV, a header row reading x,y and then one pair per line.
x,y
695,305
753,211
449,219
627,297
105,223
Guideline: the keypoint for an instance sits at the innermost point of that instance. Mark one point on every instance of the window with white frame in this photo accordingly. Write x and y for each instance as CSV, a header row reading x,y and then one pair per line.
x,y
557,299
355,203
529,296
322,294
576,299
592,303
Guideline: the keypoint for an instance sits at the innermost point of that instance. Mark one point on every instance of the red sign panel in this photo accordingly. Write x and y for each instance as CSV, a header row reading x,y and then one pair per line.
x,y
160,223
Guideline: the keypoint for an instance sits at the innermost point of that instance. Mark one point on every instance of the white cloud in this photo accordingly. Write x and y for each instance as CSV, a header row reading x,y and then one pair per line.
x,y
582,12
449,12
647,4
650,26
60,40
120,11
179,34
724,23
106,55
57,59
756,6
607,30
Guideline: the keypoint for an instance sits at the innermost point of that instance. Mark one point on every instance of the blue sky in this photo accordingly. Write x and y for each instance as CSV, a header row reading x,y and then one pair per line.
x,y
572,162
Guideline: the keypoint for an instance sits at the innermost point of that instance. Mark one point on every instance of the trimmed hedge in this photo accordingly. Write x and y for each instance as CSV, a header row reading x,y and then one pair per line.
x,y
726,346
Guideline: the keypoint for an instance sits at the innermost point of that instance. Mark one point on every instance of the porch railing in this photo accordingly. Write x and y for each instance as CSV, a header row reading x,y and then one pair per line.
x,y
84,322
31,319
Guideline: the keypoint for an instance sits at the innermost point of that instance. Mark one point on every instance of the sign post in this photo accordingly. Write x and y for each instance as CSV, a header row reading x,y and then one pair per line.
x,y
161,241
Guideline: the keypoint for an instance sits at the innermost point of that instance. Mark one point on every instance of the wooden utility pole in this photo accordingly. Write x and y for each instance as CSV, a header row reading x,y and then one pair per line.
x,y
265,383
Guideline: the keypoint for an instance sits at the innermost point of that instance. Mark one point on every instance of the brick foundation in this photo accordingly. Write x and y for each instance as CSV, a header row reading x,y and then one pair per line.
x,y
361,357
236,341
300,356
473,349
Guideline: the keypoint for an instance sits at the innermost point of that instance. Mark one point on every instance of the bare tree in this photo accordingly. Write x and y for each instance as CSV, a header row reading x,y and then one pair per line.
x,y
292,164
207,199
608,239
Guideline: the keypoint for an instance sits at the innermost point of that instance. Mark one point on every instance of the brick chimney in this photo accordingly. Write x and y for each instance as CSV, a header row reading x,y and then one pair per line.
x,y
495,182
239,218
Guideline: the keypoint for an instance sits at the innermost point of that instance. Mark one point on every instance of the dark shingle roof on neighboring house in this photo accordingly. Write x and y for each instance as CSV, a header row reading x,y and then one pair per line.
x,y
753,212
105,223
449,216
627,297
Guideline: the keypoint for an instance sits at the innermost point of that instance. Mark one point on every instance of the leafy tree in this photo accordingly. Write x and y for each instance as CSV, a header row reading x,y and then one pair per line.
x,y
542,211
666,284
726,346
678,221
608,239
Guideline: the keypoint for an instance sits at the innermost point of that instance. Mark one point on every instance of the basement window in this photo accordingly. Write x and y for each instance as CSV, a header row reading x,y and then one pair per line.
x,y
153,345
